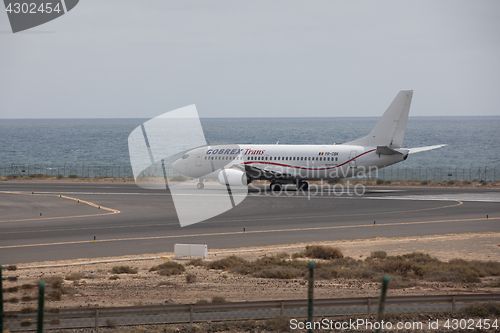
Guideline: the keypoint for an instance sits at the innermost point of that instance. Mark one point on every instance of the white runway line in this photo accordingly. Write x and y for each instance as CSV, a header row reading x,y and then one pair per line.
x,y
476,197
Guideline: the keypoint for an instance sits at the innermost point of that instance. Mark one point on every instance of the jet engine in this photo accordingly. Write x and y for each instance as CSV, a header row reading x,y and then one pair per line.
x,y
233,177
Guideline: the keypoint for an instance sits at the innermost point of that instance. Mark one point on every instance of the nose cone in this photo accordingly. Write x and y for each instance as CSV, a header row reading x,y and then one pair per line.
x,y
178,166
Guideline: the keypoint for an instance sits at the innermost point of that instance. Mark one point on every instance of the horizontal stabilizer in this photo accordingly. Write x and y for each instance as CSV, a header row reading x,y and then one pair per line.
x,y
384,150
419,149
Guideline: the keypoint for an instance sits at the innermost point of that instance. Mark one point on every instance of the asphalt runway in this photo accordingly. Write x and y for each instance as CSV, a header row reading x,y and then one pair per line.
x,y
128,220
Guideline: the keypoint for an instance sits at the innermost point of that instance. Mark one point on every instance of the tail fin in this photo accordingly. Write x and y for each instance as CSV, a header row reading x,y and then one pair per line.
x,y
390,129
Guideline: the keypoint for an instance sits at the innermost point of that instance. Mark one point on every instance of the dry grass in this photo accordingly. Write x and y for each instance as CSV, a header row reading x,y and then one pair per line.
x,y
73,276
483,310
405,270
124,270
191,278
168,268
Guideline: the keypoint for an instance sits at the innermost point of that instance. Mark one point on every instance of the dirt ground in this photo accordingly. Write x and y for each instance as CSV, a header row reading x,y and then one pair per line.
x,y
99,287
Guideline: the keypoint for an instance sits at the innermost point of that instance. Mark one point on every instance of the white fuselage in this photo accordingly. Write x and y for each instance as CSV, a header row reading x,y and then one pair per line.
x,y
304,162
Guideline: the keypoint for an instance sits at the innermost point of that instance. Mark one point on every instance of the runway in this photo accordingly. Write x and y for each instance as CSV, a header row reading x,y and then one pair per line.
x,y
128,220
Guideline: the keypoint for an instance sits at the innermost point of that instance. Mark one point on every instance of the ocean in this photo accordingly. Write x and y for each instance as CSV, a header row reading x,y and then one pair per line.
x,y
473,142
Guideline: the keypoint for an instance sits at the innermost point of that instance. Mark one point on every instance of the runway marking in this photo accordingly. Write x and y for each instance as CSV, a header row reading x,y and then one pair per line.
x,y
231,221
247,232
111,210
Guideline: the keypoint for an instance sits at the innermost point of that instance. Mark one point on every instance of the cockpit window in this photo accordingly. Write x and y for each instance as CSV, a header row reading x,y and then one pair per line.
x,y
185,156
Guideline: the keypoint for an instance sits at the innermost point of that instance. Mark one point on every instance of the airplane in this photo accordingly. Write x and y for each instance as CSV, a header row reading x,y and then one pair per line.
x,y
239,165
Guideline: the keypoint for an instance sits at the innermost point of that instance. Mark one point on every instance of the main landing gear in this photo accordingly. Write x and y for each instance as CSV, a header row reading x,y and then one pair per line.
x,y
200,185
301,185
277,187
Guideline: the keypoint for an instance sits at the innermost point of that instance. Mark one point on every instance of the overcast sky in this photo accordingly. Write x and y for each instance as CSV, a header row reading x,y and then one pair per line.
x,y
139,59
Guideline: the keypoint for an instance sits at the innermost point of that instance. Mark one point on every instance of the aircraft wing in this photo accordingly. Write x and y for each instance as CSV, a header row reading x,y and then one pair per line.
x,y
419,149
259,173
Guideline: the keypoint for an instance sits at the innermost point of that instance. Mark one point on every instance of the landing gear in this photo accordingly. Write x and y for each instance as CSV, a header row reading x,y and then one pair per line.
x,y
200,186
275,187
302,185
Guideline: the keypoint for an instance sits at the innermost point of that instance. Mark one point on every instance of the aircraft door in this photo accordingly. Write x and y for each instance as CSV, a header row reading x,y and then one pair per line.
x,y
352,155
199,157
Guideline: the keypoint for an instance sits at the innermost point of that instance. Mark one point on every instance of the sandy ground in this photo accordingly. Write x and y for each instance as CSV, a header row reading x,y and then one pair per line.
x,y
98,289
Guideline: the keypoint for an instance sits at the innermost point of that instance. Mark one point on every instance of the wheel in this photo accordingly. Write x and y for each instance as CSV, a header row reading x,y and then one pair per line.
x,y
275,187
303,186
200,186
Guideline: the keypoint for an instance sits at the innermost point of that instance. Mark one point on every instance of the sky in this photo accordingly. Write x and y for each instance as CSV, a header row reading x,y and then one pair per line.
x,y
279,58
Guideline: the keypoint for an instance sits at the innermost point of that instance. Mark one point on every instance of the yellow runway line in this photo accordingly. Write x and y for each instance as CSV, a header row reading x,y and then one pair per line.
x,y
111,210
248,232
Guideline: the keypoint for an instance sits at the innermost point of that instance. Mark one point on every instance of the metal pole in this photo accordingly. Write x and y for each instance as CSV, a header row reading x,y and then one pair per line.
x,y
381,305
191,313
96,318
369,306
453,303
41,296
310,296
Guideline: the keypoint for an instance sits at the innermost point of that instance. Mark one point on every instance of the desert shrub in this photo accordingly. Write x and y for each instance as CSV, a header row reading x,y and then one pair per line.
x,y
388,182
279,273
168,268
333,181
124,270
55,295
481,310
11,267
424,182
53,281
282,255
323,252
278,324
196,263
218,299
72,176
227,263
466,182
59,176
178,178
114,277
378,254
380,181
73,276
451,182
202,301
190,278
111,323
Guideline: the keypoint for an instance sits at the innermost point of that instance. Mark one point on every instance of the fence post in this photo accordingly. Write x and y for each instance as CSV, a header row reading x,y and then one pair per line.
x,y
282,311
369,306
96,318
310,295
381,305
1,301
41,296
191,313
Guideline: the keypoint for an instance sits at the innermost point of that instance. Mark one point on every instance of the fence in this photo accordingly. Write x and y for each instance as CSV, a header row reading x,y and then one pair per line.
x,y
78,170
393,173
437,174
175,313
